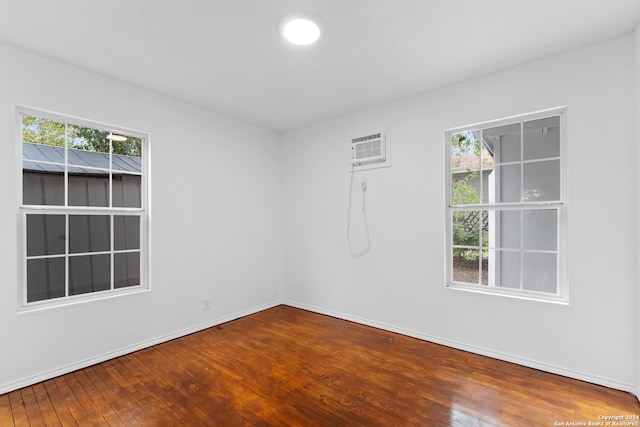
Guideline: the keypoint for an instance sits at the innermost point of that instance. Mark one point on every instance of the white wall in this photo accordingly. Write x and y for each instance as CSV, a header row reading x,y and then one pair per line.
x,y
400,283
225,246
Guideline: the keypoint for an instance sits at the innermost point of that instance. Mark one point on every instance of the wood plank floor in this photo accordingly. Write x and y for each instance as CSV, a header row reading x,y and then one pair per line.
x,y
286,366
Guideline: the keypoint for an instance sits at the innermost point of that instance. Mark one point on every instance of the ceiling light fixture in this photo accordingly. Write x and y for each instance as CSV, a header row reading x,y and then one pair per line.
x,y
301,31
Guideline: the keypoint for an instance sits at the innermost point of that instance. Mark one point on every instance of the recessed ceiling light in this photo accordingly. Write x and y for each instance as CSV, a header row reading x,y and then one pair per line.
x,y
301,31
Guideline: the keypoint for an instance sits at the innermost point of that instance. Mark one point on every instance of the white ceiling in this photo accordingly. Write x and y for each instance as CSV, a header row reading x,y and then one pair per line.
x,y
228,55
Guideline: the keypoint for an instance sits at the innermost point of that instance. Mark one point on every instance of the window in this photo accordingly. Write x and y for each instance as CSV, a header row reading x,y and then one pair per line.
x,y
83,209
506,206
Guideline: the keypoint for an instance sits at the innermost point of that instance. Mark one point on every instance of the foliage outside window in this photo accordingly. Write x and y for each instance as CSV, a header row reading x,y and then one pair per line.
x,y
506,209
83,209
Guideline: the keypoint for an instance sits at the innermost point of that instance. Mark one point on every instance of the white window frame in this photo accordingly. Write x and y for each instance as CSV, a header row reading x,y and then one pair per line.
x,y
562,294
23,210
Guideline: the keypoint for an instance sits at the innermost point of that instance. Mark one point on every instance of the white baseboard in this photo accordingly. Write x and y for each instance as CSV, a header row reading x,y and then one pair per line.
x,y
477,350
24,382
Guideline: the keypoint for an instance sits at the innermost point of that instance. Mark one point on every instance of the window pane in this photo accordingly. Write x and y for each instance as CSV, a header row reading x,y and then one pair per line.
x,y
45,235
88,188
541,229
45,279
41,187
465,188
466,228
504,142
486,156
488,185
541,181
465,150
43,141
89,233
127,154
504,185
126,269
485,267
43,153
126,232
509,230
89,159
91,273
36,130
466,266
89,142
540,272
542,138
484,223
507,267
127,191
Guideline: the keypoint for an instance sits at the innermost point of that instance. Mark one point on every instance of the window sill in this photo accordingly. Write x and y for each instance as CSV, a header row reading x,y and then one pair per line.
x,y
58,303
509,293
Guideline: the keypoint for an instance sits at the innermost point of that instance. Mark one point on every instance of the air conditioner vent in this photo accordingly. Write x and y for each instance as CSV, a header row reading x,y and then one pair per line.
x,y
368,149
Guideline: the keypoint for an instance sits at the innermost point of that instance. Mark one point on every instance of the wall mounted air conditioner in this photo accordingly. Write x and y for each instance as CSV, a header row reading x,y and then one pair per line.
x,y
368,149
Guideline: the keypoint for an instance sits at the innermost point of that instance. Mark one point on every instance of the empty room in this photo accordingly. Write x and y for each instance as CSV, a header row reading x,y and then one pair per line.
x,y
320,212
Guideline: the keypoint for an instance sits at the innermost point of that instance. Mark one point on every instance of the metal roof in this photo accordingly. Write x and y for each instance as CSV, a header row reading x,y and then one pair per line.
x,y
47,158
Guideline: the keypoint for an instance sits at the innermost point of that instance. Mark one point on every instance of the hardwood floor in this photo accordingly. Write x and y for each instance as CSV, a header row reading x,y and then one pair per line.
x,y
286,366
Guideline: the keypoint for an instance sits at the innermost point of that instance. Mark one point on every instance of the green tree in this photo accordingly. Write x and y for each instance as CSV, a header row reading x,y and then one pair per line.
x,y
97,140
37,130
463,144
464,194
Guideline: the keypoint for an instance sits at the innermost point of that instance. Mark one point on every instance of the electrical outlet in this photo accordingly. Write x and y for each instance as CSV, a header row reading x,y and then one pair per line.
x,y
206,303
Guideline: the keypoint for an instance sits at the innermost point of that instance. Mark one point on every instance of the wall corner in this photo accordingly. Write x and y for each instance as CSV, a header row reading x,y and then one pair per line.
x,y
637,121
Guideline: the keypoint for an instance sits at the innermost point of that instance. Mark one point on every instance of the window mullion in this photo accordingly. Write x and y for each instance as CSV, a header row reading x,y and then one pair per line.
x,y
481,199
521,200
521,160
24,257
66,217
66,256
66,166
509,206
521,250
110,186
111,217
111,251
